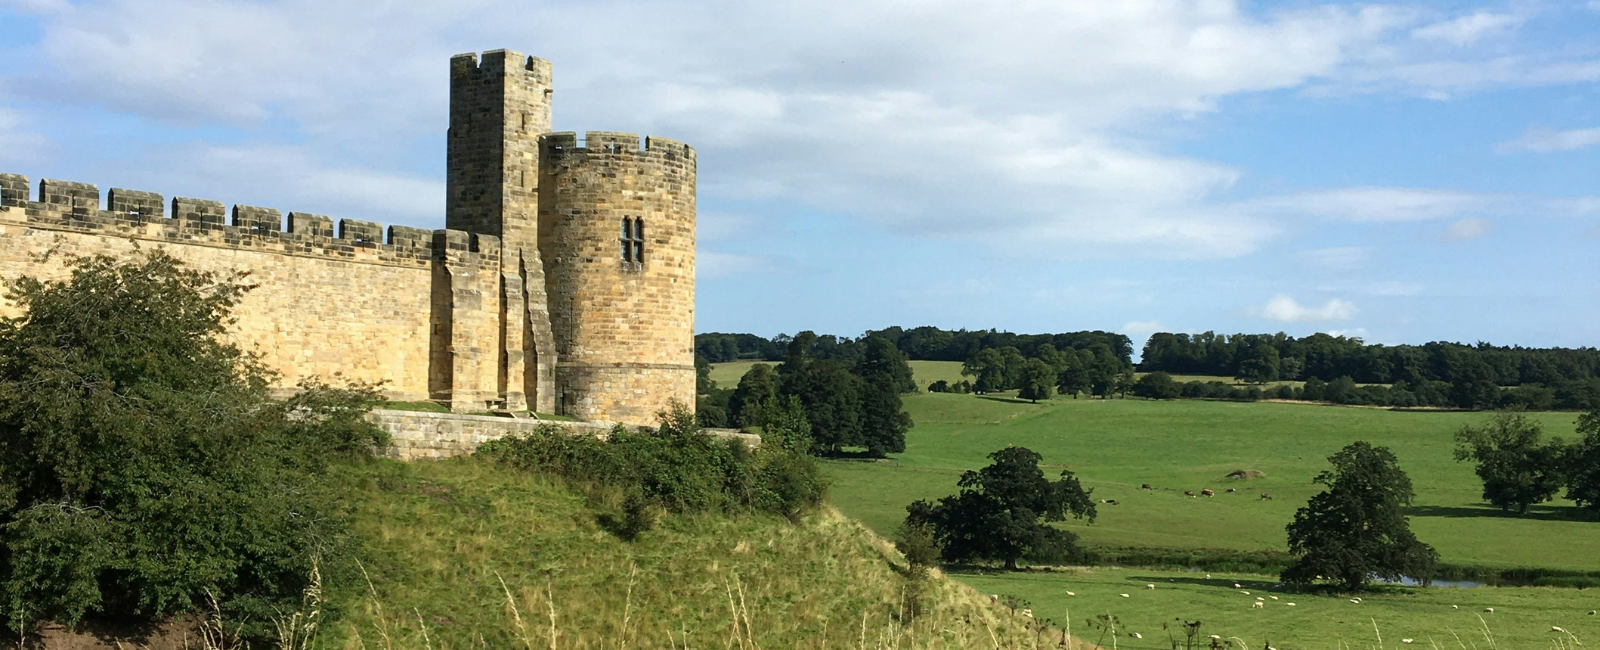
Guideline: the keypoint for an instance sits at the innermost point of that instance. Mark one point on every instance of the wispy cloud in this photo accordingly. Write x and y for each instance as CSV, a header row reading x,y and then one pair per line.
x,y
1285,309
1466,30
1339,257
711,265
1379,204
1542,140
1466,229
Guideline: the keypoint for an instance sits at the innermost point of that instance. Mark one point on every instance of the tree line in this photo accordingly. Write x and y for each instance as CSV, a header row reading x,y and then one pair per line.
x,y
1271,357
848,403
919,344
1344,390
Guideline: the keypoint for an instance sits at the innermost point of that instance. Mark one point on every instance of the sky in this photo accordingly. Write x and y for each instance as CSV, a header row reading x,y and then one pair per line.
x,y
1402,172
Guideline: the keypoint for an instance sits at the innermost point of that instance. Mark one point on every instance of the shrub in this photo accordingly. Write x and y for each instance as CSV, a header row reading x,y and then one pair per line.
x,y
143,469
677,467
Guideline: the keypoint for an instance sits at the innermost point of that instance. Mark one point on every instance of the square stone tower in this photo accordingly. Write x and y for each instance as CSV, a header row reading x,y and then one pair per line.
x,y
499,106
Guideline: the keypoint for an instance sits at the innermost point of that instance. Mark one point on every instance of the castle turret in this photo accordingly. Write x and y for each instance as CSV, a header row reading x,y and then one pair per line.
x,y
616,227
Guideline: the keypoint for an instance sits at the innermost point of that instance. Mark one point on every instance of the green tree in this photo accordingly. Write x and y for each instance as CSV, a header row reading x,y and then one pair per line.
x,y
1073,378
702,375
757,389
988,370
1262,366
1517,466
1357,528
1002,510
1583,462
1157,385
881,357
831,397
1037,381
884,422
143,466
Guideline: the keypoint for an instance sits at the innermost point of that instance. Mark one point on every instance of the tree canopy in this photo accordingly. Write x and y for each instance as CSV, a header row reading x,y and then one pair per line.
x,y
1357,529
1517,466
1002,510
143,467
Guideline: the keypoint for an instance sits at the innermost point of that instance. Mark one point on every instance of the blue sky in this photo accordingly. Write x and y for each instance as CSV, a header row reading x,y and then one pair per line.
x,y
1401,172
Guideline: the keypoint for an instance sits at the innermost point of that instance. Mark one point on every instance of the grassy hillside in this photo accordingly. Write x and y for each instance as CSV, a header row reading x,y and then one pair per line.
x,y
448,541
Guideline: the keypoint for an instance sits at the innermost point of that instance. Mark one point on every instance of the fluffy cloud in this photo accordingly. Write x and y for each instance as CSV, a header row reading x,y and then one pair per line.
x,y
1466,229
1017,125
1285,309
1539,140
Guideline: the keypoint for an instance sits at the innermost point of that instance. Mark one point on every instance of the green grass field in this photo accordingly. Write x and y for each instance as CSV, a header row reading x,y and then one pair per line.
x,y
1433,617
1116,445
727,374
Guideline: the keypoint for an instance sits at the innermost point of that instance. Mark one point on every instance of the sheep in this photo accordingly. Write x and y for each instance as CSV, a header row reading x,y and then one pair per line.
x,y
1230,490
1288,604
1150,586
1071,594
1245,593
1136,635
1238,586
1489,610
1126,596
1591,612
1405,640
1257,605
1273,597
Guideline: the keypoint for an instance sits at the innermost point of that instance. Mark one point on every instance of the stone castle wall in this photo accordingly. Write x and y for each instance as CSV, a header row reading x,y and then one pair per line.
x,y
624,327
351,303
429,436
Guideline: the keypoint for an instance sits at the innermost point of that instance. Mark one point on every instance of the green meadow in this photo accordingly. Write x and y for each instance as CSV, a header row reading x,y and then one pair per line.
x,y
1115,446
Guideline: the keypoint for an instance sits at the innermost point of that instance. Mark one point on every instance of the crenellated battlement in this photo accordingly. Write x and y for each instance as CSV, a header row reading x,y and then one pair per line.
x,y
612,143
494,63
75,207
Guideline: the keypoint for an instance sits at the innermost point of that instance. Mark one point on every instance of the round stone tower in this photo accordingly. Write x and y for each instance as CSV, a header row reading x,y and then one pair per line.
x,y
616,233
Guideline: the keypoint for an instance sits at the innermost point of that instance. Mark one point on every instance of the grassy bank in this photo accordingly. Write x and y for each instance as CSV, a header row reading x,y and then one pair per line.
x,y
462,553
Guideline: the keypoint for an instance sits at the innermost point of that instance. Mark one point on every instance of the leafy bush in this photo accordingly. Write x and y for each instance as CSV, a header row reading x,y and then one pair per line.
x,y
143,469
1002,512
677,467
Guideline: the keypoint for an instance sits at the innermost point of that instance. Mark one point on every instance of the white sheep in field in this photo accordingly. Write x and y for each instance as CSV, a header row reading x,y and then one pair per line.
x,y
1257,605
1126,596
1489,609
1150,586
1288,604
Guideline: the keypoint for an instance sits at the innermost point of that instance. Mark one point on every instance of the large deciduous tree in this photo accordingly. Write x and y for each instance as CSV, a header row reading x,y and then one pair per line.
x,y
143,468
1037,381
1002,512
1583,463
1357,529
1517,466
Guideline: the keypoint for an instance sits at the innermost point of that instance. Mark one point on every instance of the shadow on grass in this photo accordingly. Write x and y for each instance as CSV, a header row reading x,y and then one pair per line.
x,y
1007,400
1539,513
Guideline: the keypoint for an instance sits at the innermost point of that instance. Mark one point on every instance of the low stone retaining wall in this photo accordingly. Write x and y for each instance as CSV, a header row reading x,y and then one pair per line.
x,y
424,435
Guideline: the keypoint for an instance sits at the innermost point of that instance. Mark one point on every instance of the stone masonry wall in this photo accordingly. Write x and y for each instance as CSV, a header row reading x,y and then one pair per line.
x,y
624,329
352,305
421,435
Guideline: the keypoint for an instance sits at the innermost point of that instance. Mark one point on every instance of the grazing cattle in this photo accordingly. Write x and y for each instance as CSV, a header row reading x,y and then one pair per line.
x,y
1146,486
1266,497
1489,609
1591,612
1230,490
1112,502
1188,493
1207,493
1257,605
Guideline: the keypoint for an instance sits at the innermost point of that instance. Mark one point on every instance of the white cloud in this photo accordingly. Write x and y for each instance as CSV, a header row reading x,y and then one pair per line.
x,y
1466,229
1380,204
1339,257
1353,333
1285,309
1466,30
1539,140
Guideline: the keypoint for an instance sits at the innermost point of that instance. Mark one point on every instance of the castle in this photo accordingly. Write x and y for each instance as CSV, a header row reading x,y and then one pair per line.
x,y
562,283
